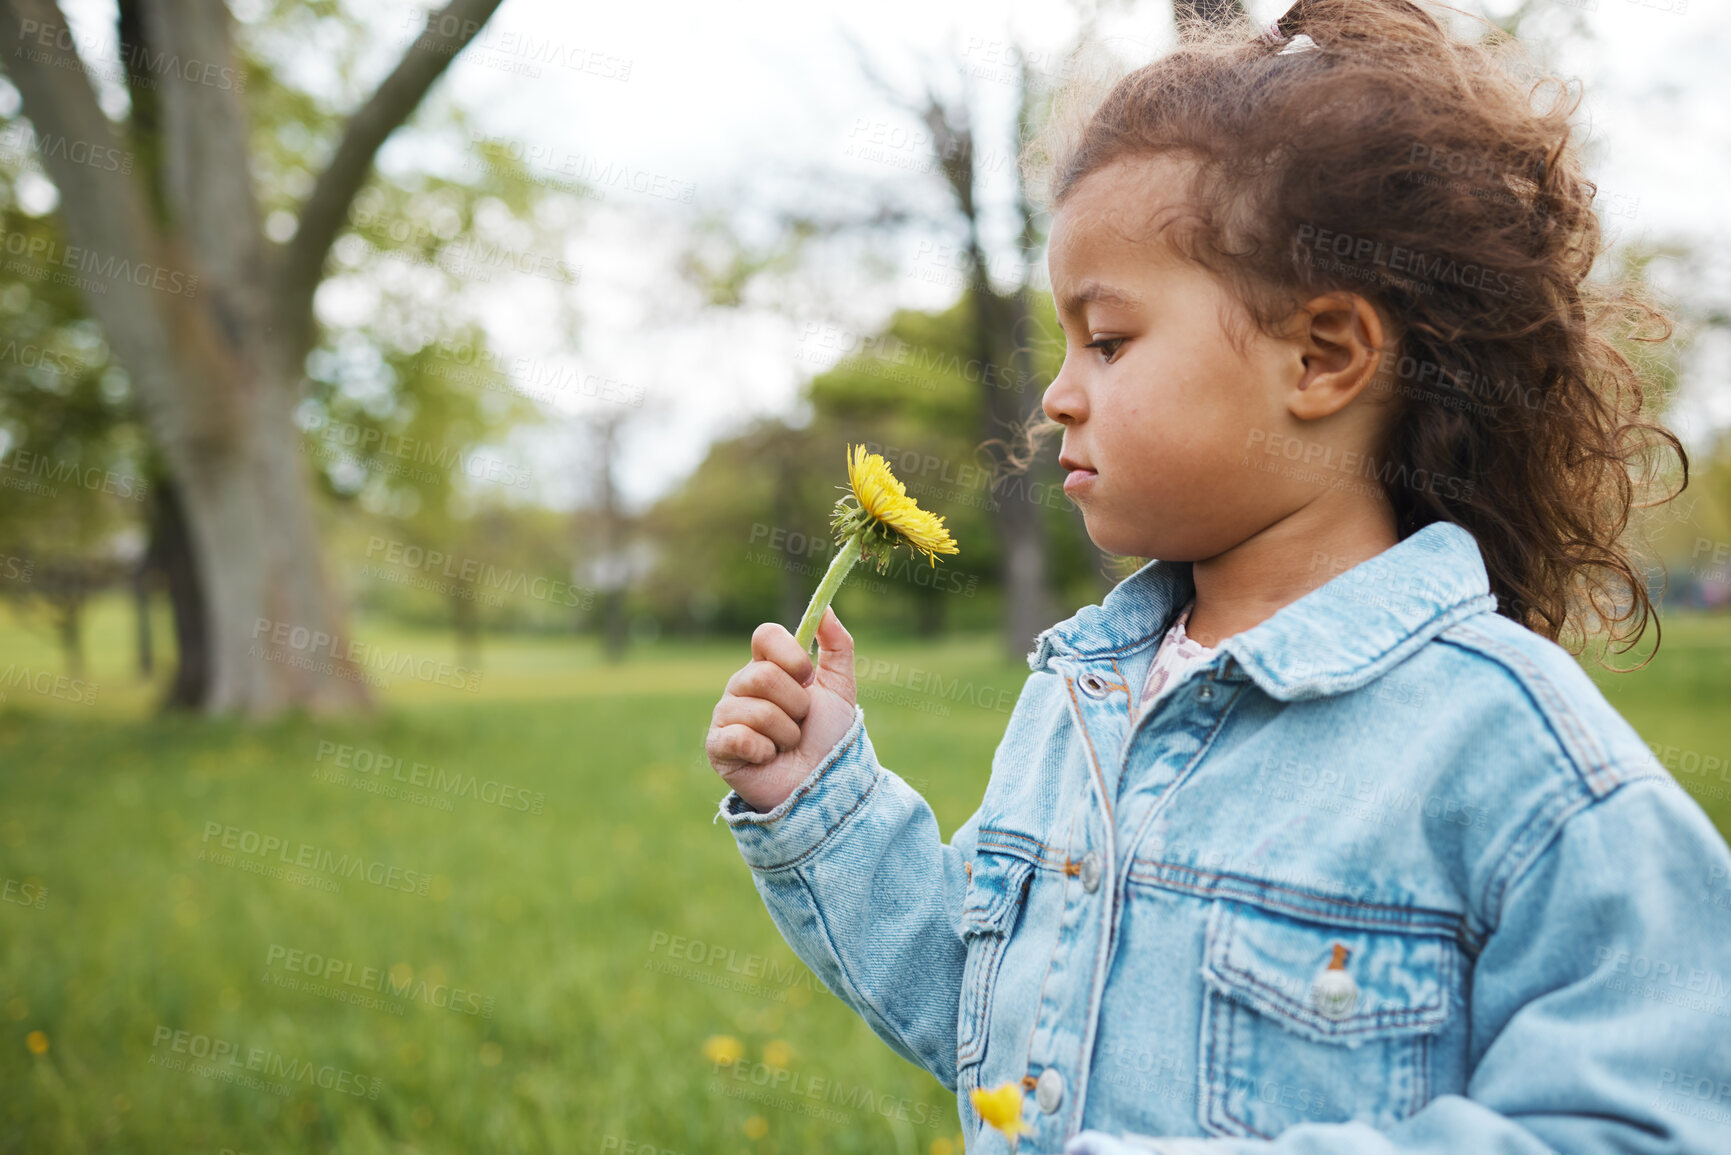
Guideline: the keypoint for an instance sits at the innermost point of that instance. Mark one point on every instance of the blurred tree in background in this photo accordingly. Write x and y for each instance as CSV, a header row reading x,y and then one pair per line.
x,y
371,458
220,200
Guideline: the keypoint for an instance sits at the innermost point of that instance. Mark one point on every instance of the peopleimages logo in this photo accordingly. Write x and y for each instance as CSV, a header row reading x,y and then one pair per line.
x,y
301,646
144,67
48,684
80,259
474,571
226,1061
304,854
362,761
397,982
1362,251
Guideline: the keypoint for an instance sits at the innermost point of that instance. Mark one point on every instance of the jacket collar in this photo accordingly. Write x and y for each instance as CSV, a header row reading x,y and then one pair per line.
x,y
1335,638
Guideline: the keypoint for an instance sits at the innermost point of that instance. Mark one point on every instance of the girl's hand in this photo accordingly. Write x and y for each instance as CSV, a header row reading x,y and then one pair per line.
x,y
779,715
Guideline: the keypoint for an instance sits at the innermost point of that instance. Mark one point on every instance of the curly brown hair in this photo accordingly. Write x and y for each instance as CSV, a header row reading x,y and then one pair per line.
x,y
1391,159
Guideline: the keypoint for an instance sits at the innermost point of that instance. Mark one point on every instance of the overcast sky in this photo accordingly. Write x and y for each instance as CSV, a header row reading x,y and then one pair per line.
x,y
709,104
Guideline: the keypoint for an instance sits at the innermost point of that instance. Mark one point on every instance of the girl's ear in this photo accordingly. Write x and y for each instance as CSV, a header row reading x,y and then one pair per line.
x,y
1340,343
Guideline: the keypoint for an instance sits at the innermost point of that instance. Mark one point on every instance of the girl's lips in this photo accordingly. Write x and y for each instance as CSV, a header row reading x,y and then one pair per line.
x,y
1077,480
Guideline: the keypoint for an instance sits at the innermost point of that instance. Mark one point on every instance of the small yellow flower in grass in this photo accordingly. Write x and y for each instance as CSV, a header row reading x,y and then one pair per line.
x,y
723,1050
37,1042
874,517
777,1054
1002,1108
756,1127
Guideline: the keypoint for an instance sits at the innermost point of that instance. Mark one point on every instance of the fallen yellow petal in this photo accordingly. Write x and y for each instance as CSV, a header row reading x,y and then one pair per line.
x,y
1002,1108
723,1050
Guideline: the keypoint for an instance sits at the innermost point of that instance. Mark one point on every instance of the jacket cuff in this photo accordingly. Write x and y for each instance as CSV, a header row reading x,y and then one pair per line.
x,y
827,796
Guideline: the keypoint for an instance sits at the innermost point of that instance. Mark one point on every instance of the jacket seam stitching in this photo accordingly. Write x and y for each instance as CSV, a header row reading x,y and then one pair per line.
x,y
1528,844
1093,757
1179,780
1540,845
1040,999
1018,896
1442,620
1452,917
1573,738
1376,1020
828,835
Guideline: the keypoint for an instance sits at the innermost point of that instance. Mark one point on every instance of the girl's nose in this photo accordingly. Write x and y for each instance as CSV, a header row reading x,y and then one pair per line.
x,y
1064,400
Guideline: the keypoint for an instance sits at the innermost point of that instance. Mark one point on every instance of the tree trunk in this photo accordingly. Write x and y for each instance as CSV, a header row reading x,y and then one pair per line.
x,y
69,629
465,618
171,556
996,325
793,586
1021,535
614,626
141,622
213,325
928,612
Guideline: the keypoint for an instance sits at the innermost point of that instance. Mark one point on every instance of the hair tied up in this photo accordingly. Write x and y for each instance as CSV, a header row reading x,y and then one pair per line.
x,y
1283,26
1414,169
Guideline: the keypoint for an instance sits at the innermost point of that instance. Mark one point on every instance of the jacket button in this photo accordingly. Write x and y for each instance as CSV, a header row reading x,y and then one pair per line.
x,y
1092,684
1206,693
1091,871
1334,994
1049,1090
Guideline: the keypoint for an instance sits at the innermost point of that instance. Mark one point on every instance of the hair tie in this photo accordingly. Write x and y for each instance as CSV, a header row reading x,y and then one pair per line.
x,y
1285,27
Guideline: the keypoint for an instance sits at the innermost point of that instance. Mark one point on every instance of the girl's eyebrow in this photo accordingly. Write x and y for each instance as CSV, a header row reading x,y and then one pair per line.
x,y
1092,290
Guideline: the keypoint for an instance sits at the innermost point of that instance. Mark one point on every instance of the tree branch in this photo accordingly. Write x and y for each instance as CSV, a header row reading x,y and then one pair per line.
x,y
326,207
101,208
108,226
202,144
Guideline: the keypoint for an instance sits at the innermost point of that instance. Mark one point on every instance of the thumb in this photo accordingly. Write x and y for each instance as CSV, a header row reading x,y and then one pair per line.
x,y
835,651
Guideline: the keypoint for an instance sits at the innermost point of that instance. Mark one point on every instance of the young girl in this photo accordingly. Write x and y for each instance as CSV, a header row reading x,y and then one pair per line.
x,y
1310,837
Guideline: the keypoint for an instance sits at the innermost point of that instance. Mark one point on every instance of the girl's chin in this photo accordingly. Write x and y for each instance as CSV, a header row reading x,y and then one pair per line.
x,y
1114,537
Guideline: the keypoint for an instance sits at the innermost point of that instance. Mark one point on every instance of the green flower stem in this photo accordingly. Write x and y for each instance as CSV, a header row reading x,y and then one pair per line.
x,y
820,599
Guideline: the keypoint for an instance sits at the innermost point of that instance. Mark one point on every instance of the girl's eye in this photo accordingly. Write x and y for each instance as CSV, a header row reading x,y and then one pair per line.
x,y
1108,346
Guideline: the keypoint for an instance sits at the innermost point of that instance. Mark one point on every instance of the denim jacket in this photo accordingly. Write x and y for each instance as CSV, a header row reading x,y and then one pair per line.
x,y
1385,874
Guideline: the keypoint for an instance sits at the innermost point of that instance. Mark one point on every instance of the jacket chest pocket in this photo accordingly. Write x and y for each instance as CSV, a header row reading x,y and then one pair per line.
x,y
1306,1022
997,888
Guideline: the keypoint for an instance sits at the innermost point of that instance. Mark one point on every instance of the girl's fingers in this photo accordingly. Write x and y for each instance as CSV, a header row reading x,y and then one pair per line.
x,y
765,717
770,642
769,681
738,743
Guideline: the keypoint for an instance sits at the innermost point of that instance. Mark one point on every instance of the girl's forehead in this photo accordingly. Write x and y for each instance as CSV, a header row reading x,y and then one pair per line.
x,y
1128,203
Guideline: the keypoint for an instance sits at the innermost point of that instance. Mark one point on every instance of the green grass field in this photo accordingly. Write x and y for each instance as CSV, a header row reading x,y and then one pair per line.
x,y
554,981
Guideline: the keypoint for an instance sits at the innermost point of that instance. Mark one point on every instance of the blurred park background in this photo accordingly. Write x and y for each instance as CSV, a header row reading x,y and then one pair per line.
x,y
405,417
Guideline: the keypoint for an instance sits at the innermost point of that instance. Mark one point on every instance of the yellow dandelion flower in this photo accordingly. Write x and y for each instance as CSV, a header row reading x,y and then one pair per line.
x,y
777,1054
885,501
37,1042
874,517
1002,1108
756,1127
723,1050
